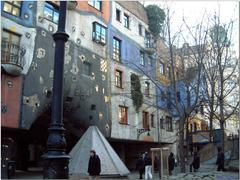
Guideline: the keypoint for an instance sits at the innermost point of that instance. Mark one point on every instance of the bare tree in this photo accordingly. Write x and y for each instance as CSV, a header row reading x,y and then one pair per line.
x,y
220,71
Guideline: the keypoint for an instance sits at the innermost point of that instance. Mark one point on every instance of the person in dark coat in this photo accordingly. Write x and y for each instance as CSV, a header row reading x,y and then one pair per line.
x,y
196,162
148,166
94,165
140,166
171,162
220,160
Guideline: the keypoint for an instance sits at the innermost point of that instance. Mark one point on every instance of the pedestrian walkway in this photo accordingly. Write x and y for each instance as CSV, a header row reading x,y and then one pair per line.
x,y
206,172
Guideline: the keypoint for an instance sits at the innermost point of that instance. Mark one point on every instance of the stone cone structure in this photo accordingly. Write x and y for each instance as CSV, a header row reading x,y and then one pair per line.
x,y
111,164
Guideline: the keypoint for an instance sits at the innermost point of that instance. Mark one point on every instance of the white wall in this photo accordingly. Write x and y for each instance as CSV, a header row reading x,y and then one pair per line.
x,y
132,32
27,40
123,97
78,27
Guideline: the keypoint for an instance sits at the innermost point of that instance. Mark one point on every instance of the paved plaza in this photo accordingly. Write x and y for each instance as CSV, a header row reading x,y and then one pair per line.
x,y
205,172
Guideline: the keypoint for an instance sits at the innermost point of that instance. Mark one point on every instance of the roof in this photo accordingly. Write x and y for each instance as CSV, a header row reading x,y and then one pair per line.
x,y
111,164
135,8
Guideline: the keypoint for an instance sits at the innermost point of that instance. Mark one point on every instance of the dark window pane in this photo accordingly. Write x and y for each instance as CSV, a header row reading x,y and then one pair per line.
x,y
87,68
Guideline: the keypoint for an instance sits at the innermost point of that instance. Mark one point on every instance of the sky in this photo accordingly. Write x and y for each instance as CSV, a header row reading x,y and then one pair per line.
x,y
193,12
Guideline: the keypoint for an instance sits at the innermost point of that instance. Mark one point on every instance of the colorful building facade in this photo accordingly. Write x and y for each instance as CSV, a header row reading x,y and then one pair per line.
x,y
109,44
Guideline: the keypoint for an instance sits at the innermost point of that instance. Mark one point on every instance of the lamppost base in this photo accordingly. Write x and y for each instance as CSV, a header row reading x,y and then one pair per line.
x,y
55,165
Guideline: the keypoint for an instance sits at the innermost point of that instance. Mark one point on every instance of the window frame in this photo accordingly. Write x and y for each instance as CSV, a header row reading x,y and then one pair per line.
x,y
162,68
168,72
94,36
140,27
142,58
125,117
93,4
162,123
10,53
145,122
152,121
169,123
126,20
13,6
117,52
90,69
119,78
54,9
118,10
147,88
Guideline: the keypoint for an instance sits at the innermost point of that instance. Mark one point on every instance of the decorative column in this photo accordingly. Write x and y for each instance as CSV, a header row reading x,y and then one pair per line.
x,y
55,159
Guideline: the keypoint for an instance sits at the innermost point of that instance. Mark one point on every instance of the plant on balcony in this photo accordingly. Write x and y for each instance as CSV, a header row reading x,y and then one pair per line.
x,y
156,17
136,93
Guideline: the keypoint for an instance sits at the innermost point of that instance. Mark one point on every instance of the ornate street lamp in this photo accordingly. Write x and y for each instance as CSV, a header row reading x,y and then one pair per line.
x,y
55,159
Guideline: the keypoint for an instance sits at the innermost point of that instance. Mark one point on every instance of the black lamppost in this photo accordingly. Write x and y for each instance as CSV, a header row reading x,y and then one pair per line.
x,y
56,160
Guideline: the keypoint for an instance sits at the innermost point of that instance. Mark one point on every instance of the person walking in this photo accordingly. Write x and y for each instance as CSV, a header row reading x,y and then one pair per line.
x,y
220,159
94,165
148,166
196,162
140,165
171,163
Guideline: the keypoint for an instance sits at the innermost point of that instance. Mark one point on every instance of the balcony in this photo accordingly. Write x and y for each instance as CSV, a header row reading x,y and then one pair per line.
x,y
12,58
149,45
72,5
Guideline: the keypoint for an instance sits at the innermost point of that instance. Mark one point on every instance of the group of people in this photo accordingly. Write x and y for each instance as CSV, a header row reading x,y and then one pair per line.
x,y
144,164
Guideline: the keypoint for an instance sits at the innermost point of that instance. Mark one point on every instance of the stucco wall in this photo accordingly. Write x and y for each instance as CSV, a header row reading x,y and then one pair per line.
x,y
132,32
122,96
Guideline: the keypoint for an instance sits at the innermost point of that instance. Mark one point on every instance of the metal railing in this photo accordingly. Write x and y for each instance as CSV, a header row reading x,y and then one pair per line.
x,y
12,54
149,43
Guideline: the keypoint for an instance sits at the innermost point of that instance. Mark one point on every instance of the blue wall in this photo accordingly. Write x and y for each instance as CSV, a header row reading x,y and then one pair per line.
x,y
27,14
130,52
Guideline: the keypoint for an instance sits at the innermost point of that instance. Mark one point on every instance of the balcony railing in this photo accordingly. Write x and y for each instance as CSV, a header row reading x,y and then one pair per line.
x,y
12,58
149,45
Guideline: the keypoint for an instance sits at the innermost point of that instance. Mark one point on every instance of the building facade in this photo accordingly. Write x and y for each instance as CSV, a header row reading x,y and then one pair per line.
x,y
108,58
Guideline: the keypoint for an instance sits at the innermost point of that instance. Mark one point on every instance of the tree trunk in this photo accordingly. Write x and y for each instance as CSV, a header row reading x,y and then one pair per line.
x,y
181,146
222,134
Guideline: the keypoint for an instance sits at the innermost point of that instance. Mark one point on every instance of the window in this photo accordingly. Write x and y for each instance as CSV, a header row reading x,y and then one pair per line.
x,y
152,120
161,68
178,96
169,123
142,59
147,39
191,128
51,12
162,123
140,29
116,49
202,109
11,37
12,7
169,72
99,33
96,4
10,47
118,78
118,15
145,120
147,89
126,21
150,60
123,114
195,127
87,68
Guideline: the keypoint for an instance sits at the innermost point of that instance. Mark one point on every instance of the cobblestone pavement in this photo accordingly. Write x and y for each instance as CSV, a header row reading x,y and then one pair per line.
x,y
206,172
